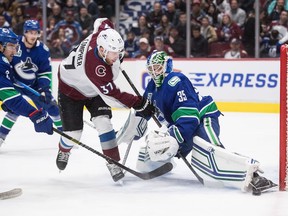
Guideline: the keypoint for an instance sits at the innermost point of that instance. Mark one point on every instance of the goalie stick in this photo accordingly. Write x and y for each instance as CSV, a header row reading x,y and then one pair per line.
x,y
159,125
165,168
10,193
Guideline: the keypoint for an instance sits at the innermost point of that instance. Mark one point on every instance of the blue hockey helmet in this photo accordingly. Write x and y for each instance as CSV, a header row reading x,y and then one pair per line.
x,y
31,25
8,36
159,63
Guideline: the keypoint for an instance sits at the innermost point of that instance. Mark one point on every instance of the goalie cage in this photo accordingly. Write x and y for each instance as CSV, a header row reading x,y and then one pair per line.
x,y
283,150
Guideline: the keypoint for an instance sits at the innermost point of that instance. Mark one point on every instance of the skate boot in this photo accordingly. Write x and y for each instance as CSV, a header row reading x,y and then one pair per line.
x,y
261,184
62,159
115,171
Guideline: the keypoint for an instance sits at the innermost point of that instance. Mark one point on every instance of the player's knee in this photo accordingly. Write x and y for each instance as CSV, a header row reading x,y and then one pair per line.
x,y
102,124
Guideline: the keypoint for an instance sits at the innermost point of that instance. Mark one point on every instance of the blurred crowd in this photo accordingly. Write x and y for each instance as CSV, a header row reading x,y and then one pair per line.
x,y
219,28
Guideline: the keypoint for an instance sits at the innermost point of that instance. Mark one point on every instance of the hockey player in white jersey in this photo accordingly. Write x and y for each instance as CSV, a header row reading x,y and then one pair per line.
x,y
32,66
86,78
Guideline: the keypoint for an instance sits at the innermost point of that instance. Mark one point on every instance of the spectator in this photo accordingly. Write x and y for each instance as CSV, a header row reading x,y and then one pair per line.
x,y
222,6
181,27
275,7
281,26
248,38
228,29
163,28
6,15
269,47
142,25
56,13
172,13
18,16
92,8
247,5
85,20
150,37
51,22
55,47
237,14
18,28
144,49
73,33
154,17
213,13
70,5
177,43
3,22
197,13
199,45
235,51
180,6
208,31
130,45
160,46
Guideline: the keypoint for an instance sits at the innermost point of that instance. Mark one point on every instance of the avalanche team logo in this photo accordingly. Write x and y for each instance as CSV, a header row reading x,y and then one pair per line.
x,y
100,71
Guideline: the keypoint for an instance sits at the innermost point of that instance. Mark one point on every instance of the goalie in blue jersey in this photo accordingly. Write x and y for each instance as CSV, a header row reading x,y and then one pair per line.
x,y
32,66
12,100
190,125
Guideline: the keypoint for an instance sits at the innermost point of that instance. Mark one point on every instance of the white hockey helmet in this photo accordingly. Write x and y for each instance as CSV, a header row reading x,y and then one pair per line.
x,y
111,41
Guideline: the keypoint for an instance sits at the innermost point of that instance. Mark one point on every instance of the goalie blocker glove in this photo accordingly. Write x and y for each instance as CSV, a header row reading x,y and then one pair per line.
x,y
42,122
145,109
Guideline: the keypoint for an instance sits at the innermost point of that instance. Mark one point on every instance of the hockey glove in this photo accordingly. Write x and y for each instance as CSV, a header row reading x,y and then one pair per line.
x,y
42,122
46,95
145,109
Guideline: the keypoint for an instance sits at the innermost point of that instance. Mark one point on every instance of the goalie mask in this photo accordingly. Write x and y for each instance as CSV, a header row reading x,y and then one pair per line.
x,y
159,63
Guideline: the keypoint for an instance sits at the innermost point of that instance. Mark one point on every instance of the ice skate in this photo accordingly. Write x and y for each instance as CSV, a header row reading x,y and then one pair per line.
x,y
115,171
62,159
261,184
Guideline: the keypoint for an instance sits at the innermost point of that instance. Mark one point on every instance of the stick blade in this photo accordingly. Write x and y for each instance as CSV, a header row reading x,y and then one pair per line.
x,y
165,168
11,193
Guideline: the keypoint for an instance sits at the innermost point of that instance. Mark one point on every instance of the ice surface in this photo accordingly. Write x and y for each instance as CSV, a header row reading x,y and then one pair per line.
x,y
27,160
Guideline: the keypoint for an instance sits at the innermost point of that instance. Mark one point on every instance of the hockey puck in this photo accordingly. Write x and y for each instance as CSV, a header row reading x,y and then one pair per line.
x,y
256,192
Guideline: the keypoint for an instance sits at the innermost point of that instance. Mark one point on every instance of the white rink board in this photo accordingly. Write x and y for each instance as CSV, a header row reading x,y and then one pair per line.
x,y
226,80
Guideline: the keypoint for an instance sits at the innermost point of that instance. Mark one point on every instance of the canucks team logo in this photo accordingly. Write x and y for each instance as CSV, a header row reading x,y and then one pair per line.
x,y
26,69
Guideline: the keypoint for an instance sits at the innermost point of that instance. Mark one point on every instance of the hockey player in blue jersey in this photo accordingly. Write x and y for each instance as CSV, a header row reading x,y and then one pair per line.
x,y
190,125
32,68
12,100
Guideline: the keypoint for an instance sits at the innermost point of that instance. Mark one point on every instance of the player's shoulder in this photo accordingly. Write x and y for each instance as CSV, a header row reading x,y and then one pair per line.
x,y
175,78
41,46
4,62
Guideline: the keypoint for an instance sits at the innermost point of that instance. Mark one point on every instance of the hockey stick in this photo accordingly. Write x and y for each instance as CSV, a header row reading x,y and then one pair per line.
x,y
20,84
10,193
145,176
159,125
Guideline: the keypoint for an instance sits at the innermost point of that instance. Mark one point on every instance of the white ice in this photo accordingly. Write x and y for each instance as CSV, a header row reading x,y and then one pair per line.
x,y
27,161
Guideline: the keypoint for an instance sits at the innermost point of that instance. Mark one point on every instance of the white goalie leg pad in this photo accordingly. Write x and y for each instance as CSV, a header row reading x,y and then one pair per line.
x,y
218,166
161,146
134,128
144,163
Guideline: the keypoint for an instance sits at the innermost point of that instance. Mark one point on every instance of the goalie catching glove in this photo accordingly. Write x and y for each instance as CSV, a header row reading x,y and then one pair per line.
x,y
161,146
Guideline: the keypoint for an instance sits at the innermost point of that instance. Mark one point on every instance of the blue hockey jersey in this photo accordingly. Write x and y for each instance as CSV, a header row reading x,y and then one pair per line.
x,y
33,66
179,103
11,98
